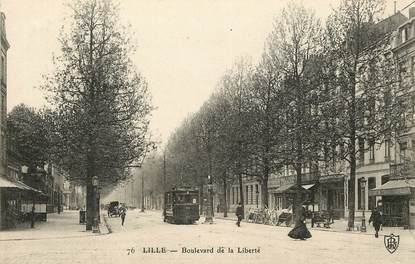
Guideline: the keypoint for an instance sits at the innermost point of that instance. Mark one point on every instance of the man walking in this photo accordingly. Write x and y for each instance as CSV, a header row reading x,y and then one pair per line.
x,y
377,219
239,213
122,214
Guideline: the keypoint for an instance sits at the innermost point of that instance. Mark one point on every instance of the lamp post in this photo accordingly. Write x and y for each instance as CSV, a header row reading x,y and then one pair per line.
x,y
209,218
363,186
95,228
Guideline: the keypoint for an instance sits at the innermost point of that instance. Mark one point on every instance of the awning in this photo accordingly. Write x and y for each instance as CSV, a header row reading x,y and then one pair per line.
x,y
27,187
5,183
394,187
290,188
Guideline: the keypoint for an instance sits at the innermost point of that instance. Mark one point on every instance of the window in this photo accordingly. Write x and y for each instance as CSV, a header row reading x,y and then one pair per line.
x,y
252,194
246,194
384,179
256,192
371,184
361,143
372,151
402,150
387,149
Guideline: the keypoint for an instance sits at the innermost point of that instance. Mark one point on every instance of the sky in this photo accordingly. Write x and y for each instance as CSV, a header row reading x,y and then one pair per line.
x,y
184,47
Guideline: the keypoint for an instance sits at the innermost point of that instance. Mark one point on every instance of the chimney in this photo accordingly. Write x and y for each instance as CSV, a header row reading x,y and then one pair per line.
x,y
411,12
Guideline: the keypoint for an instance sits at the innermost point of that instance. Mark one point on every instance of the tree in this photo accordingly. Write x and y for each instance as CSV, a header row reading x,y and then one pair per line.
x,y
29,134
266,97
235,87
368,100
296,40
101,103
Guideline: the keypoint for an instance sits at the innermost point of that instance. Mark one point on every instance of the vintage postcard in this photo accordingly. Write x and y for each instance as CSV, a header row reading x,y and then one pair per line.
x,y
207,131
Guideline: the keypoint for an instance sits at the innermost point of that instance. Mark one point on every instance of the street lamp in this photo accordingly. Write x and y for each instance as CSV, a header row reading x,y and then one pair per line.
x,y
209,218
95,182
363,186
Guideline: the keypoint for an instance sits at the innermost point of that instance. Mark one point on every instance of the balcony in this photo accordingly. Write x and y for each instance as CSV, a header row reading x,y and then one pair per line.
x,y
306,178
402,170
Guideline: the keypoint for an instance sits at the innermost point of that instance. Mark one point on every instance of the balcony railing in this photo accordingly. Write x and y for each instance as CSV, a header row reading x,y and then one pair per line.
x,y
402,170
308,177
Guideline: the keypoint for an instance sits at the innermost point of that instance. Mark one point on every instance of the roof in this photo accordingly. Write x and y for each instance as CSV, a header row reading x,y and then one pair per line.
x,y
394,187
391,23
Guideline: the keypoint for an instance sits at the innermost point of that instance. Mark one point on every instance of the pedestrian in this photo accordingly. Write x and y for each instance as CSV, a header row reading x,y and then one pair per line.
x,y
239,213
122,214
300,230
377,219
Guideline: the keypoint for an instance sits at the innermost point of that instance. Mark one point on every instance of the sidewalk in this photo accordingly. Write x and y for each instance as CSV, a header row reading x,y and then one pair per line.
x,y
339,226
64,225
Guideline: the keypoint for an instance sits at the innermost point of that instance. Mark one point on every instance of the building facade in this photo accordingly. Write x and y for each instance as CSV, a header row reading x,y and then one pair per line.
x,y
5,185
252,191
4,46
395,187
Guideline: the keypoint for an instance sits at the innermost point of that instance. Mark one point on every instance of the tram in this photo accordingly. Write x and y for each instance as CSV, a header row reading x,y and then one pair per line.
x,y
181,206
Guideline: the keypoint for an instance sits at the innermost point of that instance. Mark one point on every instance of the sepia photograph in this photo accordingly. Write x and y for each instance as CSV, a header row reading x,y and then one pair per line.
x,y
207,131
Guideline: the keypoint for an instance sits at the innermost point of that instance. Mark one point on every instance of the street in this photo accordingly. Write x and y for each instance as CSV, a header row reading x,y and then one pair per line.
x,y
145,234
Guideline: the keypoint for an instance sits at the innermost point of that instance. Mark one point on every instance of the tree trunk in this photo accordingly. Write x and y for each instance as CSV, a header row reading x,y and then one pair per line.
x,y
264,184
352,180
225,202
89,205
201,198
297,206
241,194
352,151
264,193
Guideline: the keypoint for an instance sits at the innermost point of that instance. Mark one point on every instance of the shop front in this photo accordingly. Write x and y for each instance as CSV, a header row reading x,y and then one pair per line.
x,y
331,194
284,195
17,201
398,202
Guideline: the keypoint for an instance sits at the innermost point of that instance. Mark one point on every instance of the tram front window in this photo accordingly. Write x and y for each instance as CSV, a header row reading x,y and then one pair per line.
x,y
186,199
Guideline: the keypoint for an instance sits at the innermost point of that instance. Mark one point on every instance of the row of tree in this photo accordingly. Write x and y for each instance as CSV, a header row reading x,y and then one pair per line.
x,y
314,94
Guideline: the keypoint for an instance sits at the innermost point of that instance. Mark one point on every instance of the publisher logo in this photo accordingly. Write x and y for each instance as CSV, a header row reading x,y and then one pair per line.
x,y
391,242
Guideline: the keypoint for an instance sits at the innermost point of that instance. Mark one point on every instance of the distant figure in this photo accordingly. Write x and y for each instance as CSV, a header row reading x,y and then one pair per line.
x,y
122,214
239,213
300,230
377,219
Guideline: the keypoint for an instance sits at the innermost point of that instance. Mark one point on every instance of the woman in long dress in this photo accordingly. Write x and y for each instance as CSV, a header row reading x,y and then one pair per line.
x,y
300,230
